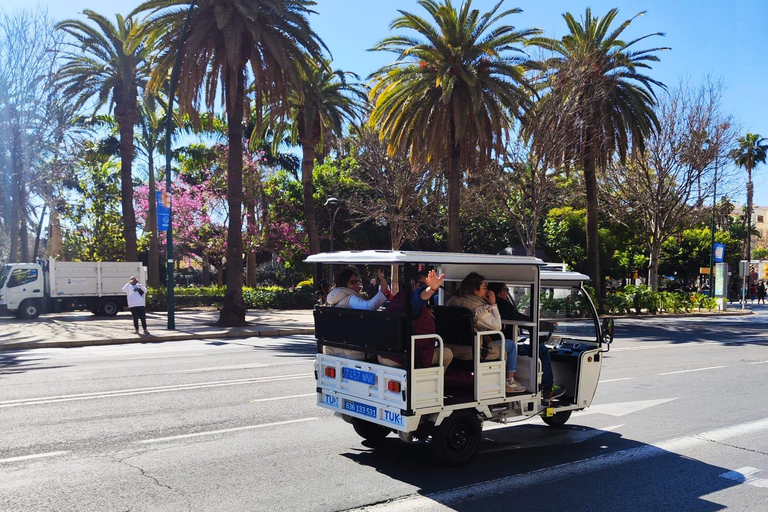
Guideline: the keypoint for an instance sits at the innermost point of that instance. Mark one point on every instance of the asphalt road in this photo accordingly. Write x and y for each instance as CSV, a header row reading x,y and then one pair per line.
x,y
679,422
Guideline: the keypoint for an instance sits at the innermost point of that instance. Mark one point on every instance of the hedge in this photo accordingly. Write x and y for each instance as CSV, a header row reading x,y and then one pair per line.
x,y
640,298
267,297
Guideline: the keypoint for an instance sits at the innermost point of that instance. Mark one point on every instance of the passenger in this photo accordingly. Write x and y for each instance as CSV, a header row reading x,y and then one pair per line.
x,y
346,294
508,311
474,295
422,287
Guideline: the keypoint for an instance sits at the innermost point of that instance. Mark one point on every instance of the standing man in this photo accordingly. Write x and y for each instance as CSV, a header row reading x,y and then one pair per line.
x,y
137,303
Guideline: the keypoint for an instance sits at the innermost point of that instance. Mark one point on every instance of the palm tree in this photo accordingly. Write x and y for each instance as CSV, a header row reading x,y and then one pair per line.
x,y
320,104
752,150
108,63
597,99
447,97
226,40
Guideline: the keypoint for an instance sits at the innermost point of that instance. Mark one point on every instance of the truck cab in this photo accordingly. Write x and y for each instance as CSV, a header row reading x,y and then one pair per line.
x,y
446,407
21,284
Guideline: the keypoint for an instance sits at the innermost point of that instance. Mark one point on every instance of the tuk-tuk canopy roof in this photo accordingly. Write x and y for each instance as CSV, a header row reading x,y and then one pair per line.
x,y
429,258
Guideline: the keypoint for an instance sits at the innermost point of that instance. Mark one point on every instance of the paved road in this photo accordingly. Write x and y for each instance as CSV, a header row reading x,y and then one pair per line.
x,y
679,423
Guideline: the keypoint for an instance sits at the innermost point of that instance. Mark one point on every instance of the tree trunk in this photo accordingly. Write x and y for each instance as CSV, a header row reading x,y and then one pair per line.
x,y
54,234
15,206
653,264
593,242
206,271
233,310
126,123
153,259
454,201
39,231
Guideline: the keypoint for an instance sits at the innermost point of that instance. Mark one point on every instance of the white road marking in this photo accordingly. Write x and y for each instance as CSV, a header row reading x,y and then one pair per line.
x,y
665,346
694,370
759,362
224,431
242,366
621,408
35,456
257,400
453,497
615,380
745,476
144,391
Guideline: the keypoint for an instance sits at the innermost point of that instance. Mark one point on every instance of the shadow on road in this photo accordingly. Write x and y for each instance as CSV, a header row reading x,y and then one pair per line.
x,y
535,467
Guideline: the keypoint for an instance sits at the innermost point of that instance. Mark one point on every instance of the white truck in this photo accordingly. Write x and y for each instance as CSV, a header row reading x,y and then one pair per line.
x,y
50,286
447,407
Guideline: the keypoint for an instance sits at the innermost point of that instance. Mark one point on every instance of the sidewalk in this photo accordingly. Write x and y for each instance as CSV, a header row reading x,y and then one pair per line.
x,y
81,329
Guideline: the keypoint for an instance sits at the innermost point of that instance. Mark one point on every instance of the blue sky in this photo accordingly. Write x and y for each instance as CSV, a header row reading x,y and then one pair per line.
x,y
725,40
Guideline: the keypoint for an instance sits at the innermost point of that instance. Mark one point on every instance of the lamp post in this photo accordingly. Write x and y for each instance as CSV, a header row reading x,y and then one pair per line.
x,y
333,206
712,243
169,284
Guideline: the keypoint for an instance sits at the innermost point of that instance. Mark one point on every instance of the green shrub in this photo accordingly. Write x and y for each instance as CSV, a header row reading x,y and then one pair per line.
x,y
267,297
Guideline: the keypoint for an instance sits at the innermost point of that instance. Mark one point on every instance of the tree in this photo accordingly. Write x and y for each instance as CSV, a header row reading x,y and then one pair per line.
x,y
320,103
751,151
226,39
447,98
28,55
598,101
108,63
661,190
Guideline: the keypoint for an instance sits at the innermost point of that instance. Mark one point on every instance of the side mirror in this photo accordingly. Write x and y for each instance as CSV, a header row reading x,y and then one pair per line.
x,y
607,330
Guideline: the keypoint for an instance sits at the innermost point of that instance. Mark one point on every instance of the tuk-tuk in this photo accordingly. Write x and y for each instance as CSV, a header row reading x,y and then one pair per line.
x,y
447,407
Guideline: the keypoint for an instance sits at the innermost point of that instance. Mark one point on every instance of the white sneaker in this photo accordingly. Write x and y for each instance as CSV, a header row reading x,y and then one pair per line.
x,y
515,387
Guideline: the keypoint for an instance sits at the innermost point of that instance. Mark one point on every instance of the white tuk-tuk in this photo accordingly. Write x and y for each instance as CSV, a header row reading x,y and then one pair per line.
x,y
446,407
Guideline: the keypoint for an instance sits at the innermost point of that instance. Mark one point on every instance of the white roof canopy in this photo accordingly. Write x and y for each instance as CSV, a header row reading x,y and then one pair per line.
x,y
429,258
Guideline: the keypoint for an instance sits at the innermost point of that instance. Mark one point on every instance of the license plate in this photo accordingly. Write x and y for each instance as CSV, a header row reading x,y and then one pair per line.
x,y
365,410
359,376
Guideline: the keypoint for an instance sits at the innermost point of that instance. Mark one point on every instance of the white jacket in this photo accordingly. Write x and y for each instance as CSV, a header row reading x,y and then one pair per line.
x,y
135,299
486,316
343,297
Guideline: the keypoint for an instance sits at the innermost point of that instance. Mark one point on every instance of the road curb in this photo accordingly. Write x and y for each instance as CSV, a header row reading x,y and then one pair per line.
x,y
701,314
251,333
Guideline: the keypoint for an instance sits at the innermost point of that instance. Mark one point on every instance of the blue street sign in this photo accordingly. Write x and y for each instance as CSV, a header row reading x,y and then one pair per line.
x,y
163,210
719,253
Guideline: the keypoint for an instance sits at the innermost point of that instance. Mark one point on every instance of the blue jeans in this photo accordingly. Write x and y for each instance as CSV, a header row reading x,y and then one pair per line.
x,y
510,348
547,378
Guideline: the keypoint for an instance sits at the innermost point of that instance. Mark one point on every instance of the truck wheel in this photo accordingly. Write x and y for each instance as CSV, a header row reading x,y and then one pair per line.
x,y
370,431
458,438
29,309
110,308
558,420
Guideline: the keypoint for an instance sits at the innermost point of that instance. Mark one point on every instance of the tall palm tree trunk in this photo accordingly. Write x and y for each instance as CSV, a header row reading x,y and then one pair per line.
x,y
233,310
454,200
126,186
16,208
153,263
593,242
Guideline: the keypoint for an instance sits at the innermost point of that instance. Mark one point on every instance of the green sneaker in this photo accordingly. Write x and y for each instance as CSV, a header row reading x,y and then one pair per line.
x,y
555,392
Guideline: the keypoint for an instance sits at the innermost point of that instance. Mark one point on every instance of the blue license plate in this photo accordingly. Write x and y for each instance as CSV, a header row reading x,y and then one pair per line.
x,y
365,410
359,376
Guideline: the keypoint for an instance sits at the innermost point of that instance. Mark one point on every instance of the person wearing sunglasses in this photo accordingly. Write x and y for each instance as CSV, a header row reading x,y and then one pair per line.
x,y
346,294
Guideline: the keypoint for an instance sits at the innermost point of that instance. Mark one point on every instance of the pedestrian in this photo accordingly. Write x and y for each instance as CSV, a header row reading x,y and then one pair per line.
x,y
752,292
136,293
761,292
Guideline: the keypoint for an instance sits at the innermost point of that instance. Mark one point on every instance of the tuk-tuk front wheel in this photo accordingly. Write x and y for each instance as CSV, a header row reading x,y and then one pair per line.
x,y
558,419
458,438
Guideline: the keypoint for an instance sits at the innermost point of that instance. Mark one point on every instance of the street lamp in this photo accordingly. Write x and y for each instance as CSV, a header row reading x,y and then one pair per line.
x,y
712,243
333,206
